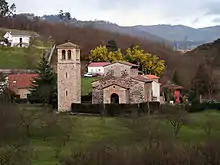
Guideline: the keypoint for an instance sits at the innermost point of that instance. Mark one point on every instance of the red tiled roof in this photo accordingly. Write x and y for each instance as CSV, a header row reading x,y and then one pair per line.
x,y
151,76
98,64
21,80
142,78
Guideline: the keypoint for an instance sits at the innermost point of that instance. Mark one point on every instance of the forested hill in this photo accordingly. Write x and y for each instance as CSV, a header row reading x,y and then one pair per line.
x,y
207,55
87,38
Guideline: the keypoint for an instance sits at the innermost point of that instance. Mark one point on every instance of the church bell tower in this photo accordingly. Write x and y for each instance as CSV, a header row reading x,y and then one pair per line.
x,y
68,76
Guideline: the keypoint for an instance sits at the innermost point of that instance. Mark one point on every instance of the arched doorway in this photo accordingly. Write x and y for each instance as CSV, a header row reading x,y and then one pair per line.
x,y
114,99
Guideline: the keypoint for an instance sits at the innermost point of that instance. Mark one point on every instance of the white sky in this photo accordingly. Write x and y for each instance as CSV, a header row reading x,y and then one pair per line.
x,y
194,13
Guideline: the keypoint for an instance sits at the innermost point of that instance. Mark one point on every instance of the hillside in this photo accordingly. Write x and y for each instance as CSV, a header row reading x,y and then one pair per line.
x,y
186,37
188,64
22,58
181,32
89,38
111,27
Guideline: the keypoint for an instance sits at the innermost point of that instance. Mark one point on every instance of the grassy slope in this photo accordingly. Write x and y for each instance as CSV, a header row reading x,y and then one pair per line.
x,y
88,130
22,58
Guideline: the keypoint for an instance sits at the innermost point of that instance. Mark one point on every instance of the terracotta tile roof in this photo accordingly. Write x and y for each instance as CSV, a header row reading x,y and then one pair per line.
x,y
142,78
98,64
151,76
67,45
21,80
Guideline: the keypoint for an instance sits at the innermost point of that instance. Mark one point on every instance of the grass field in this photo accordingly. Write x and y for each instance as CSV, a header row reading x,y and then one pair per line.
x,y
22,58
85,132
87,85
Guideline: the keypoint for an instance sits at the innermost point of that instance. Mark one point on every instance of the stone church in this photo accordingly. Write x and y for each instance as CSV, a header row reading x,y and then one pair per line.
x,y
68,76
122,85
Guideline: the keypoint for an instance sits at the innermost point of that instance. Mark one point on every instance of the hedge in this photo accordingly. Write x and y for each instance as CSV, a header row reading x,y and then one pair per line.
x,y
198,107
114,109
21,101
87,108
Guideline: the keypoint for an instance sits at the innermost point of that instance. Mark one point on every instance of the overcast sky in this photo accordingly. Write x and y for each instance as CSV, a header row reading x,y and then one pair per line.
x,y
194,13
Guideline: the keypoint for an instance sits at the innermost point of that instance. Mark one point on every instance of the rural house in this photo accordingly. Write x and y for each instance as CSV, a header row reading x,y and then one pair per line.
x,y
121,84
97,67
156,87
18,39
173,92
20,84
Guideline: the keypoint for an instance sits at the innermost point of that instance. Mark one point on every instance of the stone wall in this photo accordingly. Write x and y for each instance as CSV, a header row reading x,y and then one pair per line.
x,y
118,69
136,89
134,72
69,86
137,92
114,89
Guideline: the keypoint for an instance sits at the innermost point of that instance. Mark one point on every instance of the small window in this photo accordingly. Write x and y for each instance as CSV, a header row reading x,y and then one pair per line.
x,y
66,93
63,54
66,75
69,54
113,86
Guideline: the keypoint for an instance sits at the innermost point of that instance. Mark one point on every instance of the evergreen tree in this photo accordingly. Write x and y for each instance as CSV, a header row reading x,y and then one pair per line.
x,y
199,84
175,78
112,46
45,86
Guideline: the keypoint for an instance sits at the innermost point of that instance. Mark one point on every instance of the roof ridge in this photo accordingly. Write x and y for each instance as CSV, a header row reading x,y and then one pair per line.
x,y
67,45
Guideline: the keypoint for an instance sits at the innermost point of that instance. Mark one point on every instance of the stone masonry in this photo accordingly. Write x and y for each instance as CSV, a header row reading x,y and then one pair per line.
x,y
130,87
68,76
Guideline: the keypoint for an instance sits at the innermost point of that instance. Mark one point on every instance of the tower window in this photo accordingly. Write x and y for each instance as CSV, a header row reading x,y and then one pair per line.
x,y
69,54
63,54
66,93
66,75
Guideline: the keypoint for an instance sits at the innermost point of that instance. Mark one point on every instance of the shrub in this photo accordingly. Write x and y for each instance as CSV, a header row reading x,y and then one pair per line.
x,y
164,154
21,101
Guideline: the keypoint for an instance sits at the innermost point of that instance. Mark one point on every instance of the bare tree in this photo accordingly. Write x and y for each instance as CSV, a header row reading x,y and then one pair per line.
x,y
176,116
211,64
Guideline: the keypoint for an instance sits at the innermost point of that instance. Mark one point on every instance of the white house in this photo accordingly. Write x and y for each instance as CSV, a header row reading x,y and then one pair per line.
x,y
97,67
155,85
18,39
